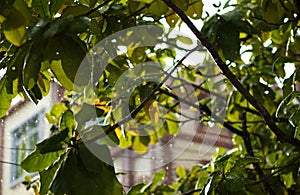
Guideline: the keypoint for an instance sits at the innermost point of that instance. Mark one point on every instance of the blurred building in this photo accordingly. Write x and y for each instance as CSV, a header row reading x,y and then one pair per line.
x,y
21,128
25,125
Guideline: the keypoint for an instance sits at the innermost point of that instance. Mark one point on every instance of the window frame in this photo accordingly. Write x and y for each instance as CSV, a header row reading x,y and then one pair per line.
x,y
39,129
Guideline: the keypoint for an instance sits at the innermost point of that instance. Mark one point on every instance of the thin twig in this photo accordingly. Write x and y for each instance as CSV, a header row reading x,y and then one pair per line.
x,y
290,163
96,8
257,168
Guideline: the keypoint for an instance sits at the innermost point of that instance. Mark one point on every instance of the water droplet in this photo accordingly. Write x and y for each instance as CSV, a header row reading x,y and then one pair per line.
x,y
57,53
13,68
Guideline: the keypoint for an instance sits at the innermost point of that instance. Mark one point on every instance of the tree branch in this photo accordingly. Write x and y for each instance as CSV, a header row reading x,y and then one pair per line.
x,y
281,135
249,149
143,103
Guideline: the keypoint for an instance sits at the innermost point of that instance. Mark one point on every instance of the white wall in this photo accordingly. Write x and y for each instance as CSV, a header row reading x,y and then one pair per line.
x,y
23,113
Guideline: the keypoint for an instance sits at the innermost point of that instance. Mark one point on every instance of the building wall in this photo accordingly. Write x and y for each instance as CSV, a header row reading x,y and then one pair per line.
x,y
183,152
17,115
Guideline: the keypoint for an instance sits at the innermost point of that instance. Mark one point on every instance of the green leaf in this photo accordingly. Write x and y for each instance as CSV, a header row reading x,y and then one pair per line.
x,y
14,27
138,55
47,176
172,19
83,172
158,8
287,101
182,4
38,162
180,171
5,99
172,124
273,11
247,160
295,118
158,177
185,40
288,179
67,120
58,109
56,67
110,139
75,11
77,25
136,190
23,8
69,50
145,1
97,164
195,10
233,184
133,6
164,189
44,82
288,85
32,66
139,144
228,37
87,113
125,141
41,7
53,143
71,26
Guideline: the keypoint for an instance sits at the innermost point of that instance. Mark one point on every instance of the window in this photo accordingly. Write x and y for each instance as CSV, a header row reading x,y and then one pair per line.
x,y
24,139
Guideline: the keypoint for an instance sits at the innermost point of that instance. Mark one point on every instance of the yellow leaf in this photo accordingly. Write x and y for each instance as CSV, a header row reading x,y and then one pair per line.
x,y
154,112
153,138
102,105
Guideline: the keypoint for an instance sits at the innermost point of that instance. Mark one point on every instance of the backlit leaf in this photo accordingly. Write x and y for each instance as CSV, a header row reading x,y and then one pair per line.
x,y
195,10
38,162
5,99
138,145
14,28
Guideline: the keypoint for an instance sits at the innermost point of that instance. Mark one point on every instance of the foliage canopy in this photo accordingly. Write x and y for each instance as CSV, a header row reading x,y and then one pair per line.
x,y
255,44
